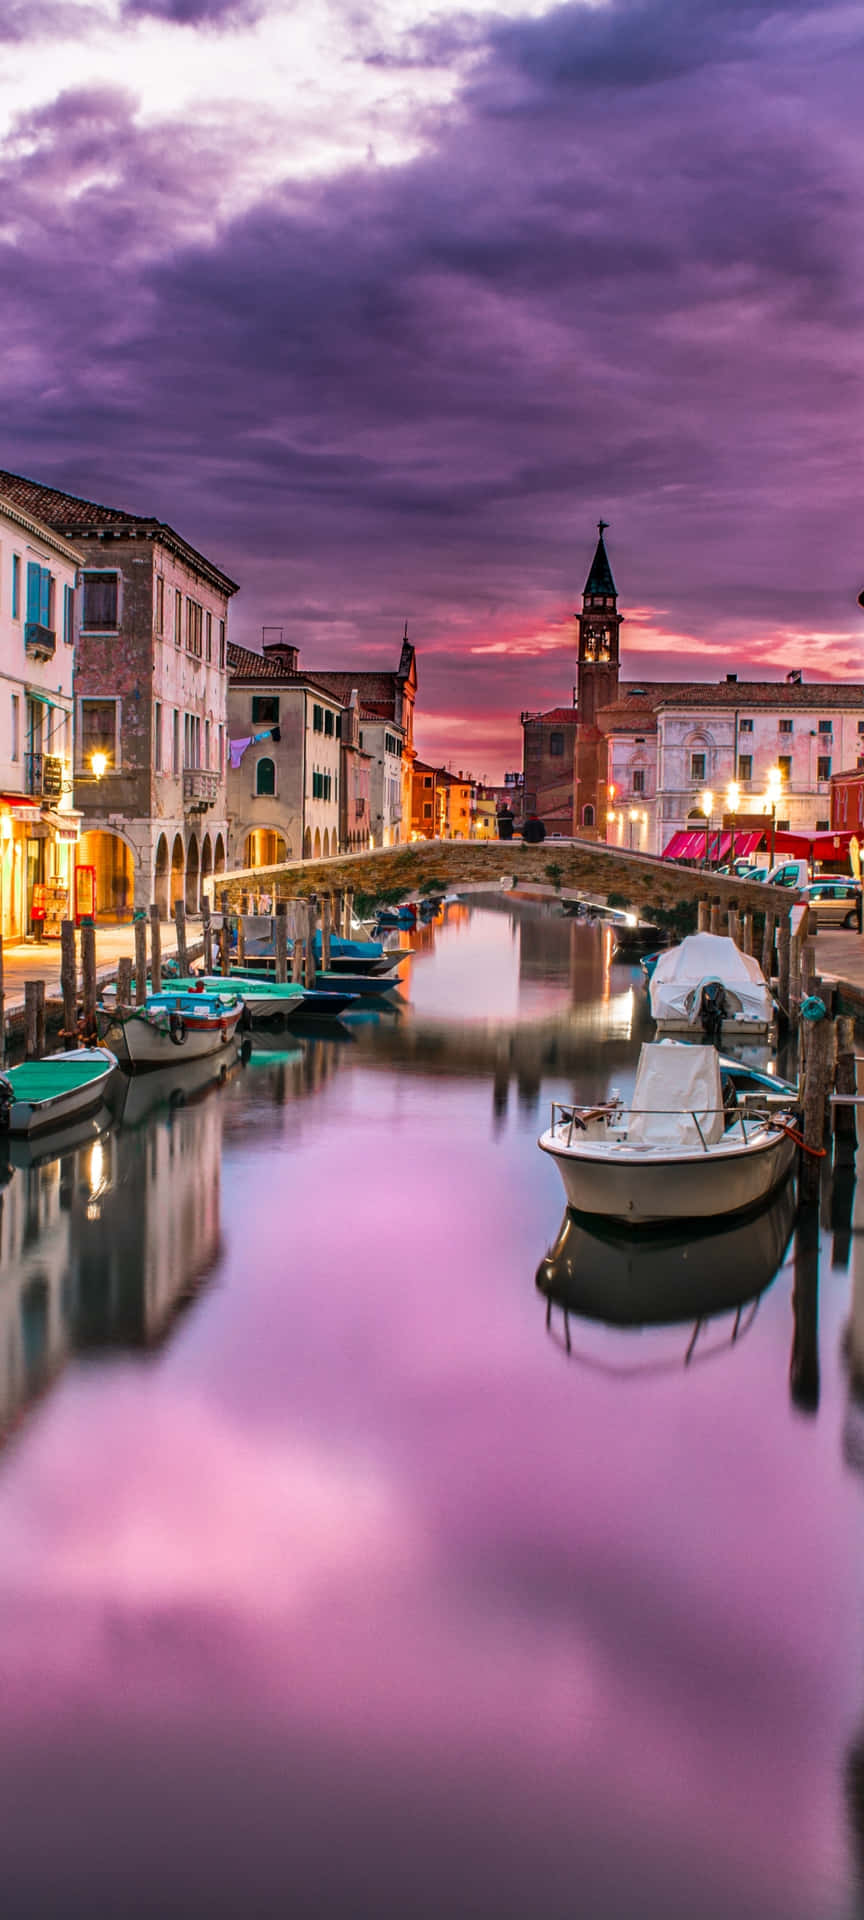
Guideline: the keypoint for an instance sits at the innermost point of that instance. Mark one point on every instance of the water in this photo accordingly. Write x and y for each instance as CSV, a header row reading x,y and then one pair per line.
x,y
345,1572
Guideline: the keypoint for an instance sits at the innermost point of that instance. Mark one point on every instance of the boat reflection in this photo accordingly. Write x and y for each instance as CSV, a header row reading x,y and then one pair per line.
x,y
598,1273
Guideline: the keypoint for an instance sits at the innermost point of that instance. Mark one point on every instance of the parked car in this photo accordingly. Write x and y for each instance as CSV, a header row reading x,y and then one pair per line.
x,y
790,873
834,903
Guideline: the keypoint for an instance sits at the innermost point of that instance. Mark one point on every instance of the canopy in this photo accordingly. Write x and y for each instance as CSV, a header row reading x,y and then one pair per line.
x,y
816,845
677,1097
681,973
689,844
686,844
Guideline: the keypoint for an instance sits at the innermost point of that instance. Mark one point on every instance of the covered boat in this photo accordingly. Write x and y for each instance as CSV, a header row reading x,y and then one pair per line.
x,y
709,982
42,1094
676,1153
175,1026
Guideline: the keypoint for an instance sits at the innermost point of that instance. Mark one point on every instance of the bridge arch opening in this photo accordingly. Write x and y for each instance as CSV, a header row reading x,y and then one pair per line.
x,y
112,858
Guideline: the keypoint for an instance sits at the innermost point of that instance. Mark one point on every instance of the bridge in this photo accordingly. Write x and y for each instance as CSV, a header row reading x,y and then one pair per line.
x,y
639,880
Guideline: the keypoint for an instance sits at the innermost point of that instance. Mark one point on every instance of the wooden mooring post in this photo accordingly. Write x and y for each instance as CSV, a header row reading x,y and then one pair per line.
x,y
34,1019
845,1117
241,940
155,949
818,1079
297,919
747,933
768,946
124,981
180,924
734,925
309,954
326,922
207,931
69,981
715,916
703,921
139,928
348,902
783,946
88,981
281,943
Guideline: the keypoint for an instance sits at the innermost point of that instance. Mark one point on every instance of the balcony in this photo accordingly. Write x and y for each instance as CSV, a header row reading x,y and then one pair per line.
x,y
40,643
200,788
43,775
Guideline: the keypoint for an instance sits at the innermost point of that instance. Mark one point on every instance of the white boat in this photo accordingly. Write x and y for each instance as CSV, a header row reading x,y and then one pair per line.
x,y
707,979
42,1094
675,1154
171,1027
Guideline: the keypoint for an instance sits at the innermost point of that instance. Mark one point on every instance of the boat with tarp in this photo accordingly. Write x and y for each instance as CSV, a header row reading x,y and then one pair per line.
x,y
44,1094
174,1026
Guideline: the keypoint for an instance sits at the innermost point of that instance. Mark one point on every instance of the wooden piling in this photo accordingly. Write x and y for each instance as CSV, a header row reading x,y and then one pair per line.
x,y
733,926
297,942
309,955
281,943
34,1019
703,920
69,981
804,1358
224,946
349,912
155,949
88,981
124,981
180,924
223,901
326,921
783,945
241,940
747,933
768,946
139,929
845,1127
715,917
818,1076
207,931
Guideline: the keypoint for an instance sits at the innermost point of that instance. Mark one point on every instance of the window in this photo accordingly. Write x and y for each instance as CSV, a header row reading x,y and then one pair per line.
x,y
221,767
785,726
328,722
208,637
99,602
16,586
206,743
194,628
822,826
556,744
191,740
861,726
178,618
588,816
745,766
69,616
391,745
745,726
823,767
697,766
265,777
159,604
40,595
826,726
98,730
157,736
785,765
639,780
427,780
265,709
427,810
222,645
175,741
318,719
16,726
322,786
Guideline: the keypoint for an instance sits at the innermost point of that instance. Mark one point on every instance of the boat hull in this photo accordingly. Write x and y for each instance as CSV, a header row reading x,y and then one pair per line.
x,y
144,1045
33,1116
632,1184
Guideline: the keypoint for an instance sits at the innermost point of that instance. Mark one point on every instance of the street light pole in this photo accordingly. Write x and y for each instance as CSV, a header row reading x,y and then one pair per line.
x,y
706,803
775,782
733,802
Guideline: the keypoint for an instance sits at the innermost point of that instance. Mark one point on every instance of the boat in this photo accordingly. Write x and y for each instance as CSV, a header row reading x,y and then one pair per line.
x,y
666,1275
171,1025
364,985
180,1084
677,1153
708,982
49,1093
404,916
263,997
318,1004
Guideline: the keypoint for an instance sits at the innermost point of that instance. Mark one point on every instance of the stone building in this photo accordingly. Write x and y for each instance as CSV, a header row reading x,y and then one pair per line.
x,y
387,697
151,621
38,823
284,789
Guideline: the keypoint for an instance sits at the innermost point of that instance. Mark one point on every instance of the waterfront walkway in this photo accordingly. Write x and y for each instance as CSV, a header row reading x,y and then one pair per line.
x,y
40,959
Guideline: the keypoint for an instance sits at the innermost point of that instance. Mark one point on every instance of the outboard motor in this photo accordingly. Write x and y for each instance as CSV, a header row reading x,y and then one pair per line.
x,y
713,1008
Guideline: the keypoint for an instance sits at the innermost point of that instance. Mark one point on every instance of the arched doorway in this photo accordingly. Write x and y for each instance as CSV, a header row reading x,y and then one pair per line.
x,y
192,874
264,847
206,861
307,844
160,878
219,855
317,843
115,872
177,874
325,849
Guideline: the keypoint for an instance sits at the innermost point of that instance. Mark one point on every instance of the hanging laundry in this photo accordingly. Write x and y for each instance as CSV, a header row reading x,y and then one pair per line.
x,y
237,748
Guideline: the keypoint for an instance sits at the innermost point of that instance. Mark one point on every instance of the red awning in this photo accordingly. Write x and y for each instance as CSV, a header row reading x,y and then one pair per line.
x,y
674,850
823,845
745,844
20,800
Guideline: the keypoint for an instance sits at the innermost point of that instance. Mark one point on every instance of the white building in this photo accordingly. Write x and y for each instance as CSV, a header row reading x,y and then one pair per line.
x,y
38,824
670,742
283,793
384,741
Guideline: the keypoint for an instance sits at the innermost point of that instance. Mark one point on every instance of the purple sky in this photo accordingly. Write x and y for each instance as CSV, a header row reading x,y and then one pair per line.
x,y
382,307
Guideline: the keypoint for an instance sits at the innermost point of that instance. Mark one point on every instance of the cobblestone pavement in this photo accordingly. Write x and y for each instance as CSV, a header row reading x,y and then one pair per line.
x,y
40,959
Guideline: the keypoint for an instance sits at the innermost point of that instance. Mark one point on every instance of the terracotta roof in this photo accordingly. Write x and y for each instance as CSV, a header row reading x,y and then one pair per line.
x,y
764,693
556,716
248,668
68,514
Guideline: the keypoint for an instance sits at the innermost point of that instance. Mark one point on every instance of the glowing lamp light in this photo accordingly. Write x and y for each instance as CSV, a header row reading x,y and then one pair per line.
x,y
706,802
733,796
99,764
5,827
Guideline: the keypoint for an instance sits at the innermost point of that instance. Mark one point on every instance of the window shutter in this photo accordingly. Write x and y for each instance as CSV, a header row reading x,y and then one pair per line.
x,y
45,597
34,581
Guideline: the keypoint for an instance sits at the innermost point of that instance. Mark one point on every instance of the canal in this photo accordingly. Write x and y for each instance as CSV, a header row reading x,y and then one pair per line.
x,y
353,1563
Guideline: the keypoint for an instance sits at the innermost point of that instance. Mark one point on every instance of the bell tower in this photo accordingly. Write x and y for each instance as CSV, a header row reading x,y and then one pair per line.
x,y
599,637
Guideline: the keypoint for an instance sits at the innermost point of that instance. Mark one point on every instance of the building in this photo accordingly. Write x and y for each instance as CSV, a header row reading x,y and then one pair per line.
x,y
151,620
356,818
38,822
456,792
426,807
387,697
644,753
484,812
384,742
284,786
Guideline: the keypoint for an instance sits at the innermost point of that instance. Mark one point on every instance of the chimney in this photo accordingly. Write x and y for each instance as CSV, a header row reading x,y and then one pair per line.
x,y
731,679
794,678
276,648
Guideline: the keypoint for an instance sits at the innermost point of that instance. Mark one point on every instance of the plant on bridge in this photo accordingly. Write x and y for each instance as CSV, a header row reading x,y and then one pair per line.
x,y
554,873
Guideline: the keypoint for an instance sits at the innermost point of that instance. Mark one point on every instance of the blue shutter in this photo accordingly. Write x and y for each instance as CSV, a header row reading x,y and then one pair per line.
x,y
45,597
34,582
68,605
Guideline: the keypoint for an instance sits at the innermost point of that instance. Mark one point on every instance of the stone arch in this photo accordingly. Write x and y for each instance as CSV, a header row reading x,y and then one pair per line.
x,y
193,873
317,843
161,890
307,844
264,847
219,855
206,860
178,873
325,845
113,857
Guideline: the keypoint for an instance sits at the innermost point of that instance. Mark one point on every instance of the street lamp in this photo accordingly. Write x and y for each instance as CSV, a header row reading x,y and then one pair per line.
x,y
774,792
733,802
706,803
634,816
99,764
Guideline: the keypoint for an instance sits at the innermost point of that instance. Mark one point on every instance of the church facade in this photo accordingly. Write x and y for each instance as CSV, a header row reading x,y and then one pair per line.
x,y
648,755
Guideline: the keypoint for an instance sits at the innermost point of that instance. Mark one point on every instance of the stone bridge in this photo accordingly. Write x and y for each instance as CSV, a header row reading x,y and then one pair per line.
x,y
574,866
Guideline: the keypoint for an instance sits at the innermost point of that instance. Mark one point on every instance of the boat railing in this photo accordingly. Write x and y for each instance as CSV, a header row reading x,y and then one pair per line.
x,y
572,1117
